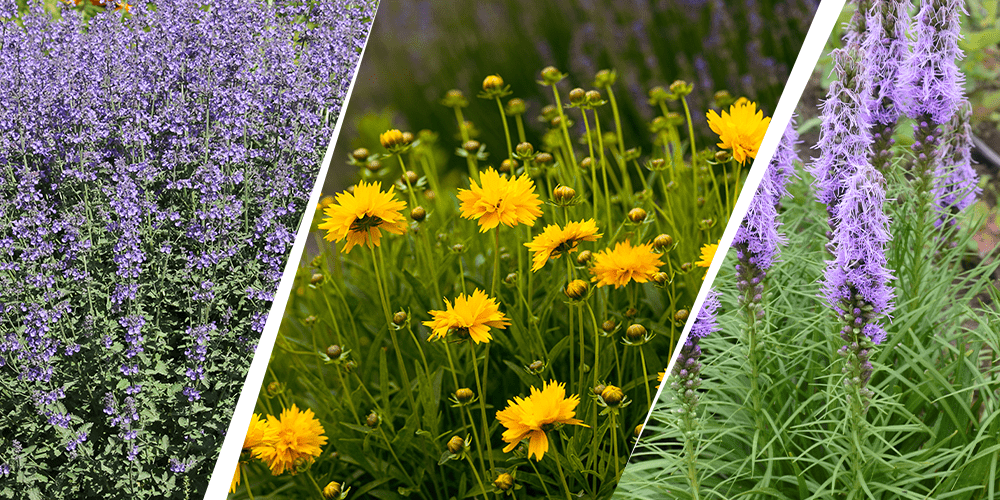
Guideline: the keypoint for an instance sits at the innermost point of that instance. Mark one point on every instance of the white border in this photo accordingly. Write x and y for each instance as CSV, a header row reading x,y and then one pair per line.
x,y
229,455
825,19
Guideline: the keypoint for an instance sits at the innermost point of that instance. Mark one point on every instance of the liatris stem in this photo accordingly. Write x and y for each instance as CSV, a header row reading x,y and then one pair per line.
x,y
691,455
506,130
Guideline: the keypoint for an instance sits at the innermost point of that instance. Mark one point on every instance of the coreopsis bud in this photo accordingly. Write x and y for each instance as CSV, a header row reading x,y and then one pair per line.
x,y
637,431
410,177
663,241
637,215
657,164
604,78
508,166
661,278
609,326
350,365
551,75
360,154
599,388
723,99
408,138
471,146
584,257
275,388
399,318
577,96
548,112
525,149
510,279
455,99
536,366
372,420
612,396
391,139
681,315
632,154
504,482
658,95
332,490
456,444
418,214
576,289
544,159
464,395
631,312
680,88
686,267
594,98
723,156
515,107
457,248
492,83
563,193
316,279
586,163
635,332
373,166
334,351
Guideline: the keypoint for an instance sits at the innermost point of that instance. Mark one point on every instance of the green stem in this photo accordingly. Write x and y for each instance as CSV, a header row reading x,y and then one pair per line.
x,y
506,131
246,480
474,471
562,475
482,400
392,330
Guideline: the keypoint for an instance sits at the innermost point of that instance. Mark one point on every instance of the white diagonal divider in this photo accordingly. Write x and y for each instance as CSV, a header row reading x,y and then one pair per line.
x,y
229,455
819,32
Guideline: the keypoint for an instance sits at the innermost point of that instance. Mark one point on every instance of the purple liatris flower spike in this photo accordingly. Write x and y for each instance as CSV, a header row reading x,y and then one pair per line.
x,y
856,284
956,182
686,376
930,82
844,137
757,239
885,47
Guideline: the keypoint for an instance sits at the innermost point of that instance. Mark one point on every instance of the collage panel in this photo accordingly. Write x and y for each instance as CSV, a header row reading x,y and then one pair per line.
x,y
155,161
849,346
517,219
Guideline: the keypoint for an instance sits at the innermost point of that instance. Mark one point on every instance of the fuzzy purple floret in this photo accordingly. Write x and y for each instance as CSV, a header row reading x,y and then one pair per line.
x,y
885,47
844,138
956,181
930,83
706,323
758,238
860,237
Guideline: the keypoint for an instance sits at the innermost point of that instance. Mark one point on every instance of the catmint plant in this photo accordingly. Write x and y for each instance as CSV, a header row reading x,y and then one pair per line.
x,y
154,164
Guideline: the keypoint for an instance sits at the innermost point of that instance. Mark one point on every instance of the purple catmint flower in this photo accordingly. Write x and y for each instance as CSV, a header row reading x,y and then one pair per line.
x,y
844,138
758,239
885,47
856,281
686,376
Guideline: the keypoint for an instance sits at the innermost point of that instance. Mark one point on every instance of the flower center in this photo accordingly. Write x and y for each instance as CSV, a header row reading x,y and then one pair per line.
x,y
461,331
365,223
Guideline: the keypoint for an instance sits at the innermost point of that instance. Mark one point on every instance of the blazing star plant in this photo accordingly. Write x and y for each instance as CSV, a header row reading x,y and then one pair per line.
x,y
874,375
155,162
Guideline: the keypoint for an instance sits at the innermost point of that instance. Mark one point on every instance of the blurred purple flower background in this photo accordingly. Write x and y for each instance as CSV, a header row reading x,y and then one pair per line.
x,y
153,170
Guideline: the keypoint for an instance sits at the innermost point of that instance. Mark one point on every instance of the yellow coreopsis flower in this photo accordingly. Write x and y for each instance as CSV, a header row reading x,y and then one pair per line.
x,y
554,240
659,378
254,437
360,217
527,418
297,434
471,316
707,254
741,129
509,201
625,263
